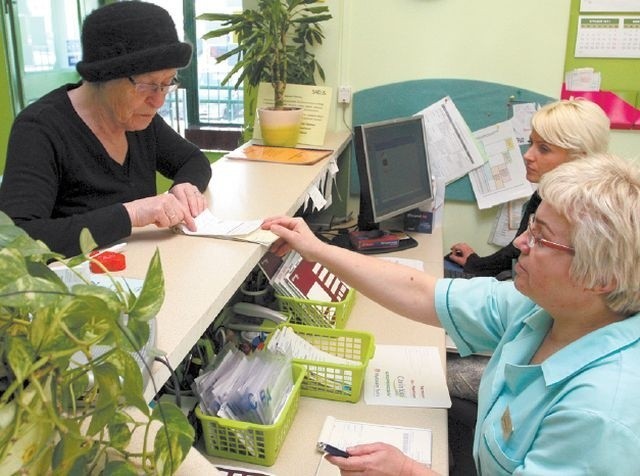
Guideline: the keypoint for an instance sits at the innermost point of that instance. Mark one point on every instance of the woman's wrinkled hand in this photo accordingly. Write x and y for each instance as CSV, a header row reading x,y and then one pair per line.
x,y
190,197
162,210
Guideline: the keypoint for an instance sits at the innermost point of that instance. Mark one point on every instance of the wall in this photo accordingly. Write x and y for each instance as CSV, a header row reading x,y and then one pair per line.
x,y
516,43
6,117
374,42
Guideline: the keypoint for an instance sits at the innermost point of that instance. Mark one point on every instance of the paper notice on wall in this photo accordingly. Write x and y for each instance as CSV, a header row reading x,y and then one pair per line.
x,y
504,176
452,149
315,102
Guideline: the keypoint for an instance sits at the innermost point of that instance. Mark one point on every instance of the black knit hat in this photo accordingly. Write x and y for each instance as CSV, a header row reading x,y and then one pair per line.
x,y
127,38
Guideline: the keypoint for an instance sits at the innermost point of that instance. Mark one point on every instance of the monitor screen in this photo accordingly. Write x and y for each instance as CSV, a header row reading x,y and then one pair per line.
x,y
393,167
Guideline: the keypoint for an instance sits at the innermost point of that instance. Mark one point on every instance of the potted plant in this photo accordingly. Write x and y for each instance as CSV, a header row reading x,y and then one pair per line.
x,y
273,46
52,419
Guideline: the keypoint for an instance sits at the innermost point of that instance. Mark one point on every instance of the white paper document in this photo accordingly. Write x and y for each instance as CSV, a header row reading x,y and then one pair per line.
x,y
504,176
318,196
242,230
583,79
227,470
414,442
438,202
521,121
507,222
453,152
406,376
411,263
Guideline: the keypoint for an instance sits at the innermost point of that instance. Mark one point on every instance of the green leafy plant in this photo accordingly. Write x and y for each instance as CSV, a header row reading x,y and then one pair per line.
x,y
273,43
60,414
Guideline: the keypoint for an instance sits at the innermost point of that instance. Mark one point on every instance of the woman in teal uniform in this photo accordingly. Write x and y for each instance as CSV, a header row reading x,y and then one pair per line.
x,y
561,393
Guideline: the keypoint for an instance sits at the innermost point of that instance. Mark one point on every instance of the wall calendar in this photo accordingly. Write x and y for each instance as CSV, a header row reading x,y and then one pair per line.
x,y
608,37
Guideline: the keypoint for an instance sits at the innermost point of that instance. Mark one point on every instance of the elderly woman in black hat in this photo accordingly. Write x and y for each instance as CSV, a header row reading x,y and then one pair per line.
x,y
85,155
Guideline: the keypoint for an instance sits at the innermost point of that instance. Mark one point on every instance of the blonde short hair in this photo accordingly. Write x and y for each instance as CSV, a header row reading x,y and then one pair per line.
x,y
599,196
577,125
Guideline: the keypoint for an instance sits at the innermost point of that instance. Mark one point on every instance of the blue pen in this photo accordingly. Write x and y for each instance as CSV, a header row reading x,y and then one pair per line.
x,y
332,450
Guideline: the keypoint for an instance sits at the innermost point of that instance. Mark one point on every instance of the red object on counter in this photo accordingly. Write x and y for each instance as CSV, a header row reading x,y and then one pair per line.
x,y
111,260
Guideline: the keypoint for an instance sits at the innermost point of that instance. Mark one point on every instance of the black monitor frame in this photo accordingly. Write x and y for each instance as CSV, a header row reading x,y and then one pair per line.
x,y
369,217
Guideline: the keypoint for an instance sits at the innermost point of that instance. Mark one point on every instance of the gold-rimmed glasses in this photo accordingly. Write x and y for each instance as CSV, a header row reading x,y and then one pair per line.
x,y
533,239
150,88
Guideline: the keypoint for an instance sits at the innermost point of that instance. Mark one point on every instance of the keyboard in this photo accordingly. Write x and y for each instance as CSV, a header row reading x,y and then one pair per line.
x,y
453,270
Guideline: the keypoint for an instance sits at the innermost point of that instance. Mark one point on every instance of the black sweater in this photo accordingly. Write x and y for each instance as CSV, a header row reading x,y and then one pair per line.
x,y
502,259
59,178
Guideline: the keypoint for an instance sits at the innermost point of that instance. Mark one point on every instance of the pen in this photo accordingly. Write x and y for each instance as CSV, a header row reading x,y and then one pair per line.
x,y
332,450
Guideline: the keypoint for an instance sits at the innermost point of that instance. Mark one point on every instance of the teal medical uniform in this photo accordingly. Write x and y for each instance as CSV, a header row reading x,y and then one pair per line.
x,y
577,413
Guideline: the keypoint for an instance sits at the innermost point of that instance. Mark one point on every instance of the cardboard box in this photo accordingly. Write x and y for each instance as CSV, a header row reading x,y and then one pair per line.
x,y
419,221
373,240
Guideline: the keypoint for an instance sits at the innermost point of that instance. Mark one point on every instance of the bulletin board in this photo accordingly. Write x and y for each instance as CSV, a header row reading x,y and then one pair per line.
x,y
605,35
480,103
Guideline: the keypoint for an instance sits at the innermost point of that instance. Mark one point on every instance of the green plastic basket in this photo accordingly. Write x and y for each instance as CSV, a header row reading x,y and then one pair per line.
x,y
317,313
251,442
335,381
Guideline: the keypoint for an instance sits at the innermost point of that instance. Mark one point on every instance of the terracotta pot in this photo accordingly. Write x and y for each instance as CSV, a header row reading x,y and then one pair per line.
x,y
280,127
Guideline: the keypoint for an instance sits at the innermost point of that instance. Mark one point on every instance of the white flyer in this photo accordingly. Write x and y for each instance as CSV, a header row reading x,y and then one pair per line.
x,y
406,376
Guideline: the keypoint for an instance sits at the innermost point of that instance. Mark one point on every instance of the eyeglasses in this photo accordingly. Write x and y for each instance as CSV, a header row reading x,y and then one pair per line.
x,y
147,88
533,240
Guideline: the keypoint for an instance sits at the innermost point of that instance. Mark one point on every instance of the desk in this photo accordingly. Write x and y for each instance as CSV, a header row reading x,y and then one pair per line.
x,y
298,455
201,274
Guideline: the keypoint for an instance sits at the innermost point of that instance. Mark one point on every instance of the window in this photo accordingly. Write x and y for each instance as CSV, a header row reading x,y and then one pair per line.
x,y
208,102
174,109
206,112
218,104
45,47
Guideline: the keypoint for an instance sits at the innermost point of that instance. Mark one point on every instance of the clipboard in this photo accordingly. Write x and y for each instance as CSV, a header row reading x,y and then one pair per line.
x,y
281,155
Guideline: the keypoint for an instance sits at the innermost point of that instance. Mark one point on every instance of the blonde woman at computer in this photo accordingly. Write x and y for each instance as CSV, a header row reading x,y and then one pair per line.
x,y
561,131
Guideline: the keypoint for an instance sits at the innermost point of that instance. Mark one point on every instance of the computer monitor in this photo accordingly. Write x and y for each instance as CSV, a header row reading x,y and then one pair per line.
x,y
393,168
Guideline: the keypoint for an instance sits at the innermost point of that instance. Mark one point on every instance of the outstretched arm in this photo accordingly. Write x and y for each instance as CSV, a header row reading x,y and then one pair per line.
x,y
399,288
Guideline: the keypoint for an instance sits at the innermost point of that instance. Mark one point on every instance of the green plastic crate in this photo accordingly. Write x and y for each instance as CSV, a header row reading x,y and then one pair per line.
x,y
335,381
251,442
317,313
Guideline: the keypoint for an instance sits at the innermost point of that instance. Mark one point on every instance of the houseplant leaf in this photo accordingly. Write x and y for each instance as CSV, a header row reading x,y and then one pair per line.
x,y
131,381
108,382
72,454
151,297
119,431
54,418
173,440
20,356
